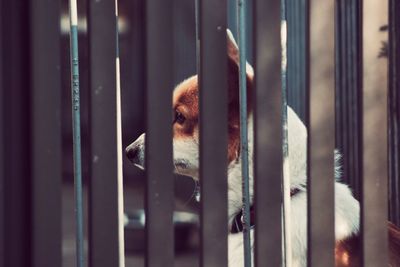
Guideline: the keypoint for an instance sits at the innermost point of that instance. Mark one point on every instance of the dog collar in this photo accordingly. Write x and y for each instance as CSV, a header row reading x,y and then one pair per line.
x,y
237,225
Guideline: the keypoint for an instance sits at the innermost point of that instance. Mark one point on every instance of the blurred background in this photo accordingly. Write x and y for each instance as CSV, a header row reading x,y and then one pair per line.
x,y
132,56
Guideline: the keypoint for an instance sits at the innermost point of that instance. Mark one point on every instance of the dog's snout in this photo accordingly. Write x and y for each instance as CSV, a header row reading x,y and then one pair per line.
x,y
132,153
135,151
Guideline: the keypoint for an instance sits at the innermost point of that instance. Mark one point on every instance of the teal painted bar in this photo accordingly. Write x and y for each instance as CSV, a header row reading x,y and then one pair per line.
x,y
286,254
77,145
243,131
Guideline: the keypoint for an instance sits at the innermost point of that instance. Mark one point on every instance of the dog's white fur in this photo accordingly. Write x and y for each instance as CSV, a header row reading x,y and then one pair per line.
x,y
346,206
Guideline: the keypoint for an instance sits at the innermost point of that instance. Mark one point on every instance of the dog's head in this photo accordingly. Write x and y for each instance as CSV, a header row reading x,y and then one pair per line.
x,y
185,107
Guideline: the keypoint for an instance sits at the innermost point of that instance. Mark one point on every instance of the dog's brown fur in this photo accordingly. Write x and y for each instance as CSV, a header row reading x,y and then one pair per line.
x,y
348,253
186,99
394,245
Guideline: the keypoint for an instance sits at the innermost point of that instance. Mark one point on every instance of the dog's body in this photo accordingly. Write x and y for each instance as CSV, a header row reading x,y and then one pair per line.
x,y
346,207
186,161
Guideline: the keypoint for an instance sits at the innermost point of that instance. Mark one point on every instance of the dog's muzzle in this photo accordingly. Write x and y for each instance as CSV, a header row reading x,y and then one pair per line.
x,y
135,151
132,154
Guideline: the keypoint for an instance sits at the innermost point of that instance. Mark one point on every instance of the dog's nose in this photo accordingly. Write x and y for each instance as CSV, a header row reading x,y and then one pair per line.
x,y
131,153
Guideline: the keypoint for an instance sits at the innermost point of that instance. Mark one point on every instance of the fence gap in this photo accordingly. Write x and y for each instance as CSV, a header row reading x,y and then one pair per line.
x,y
295,76
46,151
159,164
348,98
105,190
267,99
213,78
296,13
320,186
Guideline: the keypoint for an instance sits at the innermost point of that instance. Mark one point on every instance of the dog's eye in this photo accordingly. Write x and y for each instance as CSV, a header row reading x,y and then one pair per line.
x,y
179,118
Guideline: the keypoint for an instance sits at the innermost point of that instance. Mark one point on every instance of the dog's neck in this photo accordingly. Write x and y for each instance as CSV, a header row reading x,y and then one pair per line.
x,y
235,176
297,138
238,225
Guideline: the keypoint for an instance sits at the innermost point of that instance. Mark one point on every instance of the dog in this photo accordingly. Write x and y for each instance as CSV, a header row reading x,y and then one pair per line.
x,y
186,161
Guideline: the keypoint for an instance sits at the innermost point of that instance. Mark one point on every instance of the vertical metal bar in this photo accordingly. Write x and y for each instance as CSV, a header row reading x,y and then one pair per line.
x,y
267,126
76,132
348,77
16,133
197,18
304,56
321,221
374,187
105,192
120,181
213,118
233,21
356,49
357,93
394,110
349,91
289,56
2,149
294,41
338,92
244,145
46,133
159,165
348,61
345,86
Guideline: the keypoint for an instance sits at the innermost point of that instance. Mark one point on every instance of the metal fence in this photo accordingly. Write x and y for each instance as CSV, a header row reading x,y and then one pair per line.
x,y
31,156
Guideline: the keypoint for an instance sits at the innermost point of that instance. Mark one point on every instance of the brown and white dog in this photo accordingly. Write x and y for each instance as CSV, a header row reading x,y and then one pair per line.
x,y
186,161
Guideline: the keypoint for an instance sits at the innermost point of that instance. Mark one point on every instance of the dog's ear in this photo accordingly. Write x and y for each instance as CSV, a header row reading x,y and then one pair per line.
x,y
233,82
233,53
232,47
